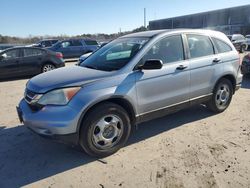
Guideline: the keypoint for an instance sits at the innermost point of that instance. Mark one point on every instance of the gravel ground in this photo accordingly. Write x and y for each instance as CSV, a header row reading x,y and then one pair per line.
x,y
191,148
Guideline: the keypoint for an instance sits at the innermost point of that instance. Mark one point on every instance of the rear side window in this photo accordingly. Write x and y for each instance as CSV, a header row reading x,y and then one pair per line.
x,y
76,43
47,43
169,49
32,52
54,41
90,42
221,46
199,46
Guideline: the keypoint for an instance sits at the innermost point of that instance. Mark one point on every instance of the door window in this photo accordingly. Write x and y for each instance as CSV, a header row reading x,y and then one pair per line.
x,y
221,46
32,52
199,46
11,54
169,49
76,43
91,42
67,44
47,44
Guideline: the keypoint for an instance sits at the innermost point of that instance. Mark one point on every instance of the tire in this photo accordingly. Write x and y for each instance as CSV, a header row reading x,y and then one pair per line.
x,y
222,96
48,67
242,49
105,130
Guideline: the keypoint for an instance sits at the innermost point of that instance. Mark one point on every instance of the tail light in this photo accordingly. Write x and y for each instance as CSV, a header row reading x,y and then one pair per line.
x,y
59,55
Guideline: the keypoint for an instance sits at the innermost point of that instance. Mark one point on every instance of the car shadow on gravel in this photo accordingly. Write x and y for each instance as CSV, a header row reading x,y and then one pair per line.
x,y
246,82
26,158
15,79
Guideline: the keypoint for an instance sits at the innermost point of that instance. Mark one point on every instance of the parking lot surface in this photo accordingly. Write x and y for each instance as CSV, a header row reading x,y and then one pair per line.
x,y
191,148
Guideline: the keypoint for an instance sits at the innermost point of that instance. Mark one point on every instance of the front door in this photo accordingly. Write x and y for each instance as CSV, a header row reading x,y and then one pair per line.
x,y
169,86
9,63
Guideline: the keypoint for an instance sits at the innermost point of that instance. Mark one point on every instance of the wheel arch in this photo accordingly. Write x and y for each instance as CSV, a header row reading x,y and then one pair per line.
x,y
46,63
229,77
121,101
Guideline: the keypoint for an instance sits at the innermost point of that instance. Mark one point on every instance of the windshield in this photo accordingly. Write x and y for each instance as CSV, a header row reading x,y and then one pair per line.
x,y
115,55
230,37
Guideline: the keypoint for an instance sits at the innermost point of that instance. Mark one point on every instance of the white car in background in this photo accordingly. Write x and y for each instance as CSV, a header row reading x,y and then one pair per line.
x,y
84,56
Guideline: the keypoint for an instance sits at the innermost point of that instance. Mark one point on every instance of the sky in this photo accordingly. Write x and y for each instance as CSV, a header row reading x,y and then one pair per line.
x,y
23,18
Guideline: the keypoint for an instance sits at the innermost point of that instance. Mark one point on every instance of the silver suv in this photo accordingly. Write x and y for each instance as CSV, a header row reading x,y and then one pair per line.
x,y
135,78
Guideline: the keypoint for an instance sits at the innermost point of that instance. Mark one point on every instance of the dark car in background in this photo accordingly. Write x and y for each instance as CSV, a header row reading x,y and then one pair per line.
x,y
248,41
239,42
74,48
245,66
27,61
45,43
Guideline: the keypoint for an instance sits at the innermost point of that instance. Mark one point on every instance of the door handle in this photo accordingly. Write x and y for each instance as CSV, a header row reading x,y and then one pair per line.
x,y
216,60
181,67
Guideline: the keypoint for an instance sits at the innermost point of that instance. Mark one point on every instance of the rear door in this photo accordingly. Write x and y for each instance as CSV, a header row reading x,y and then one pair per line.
x,y
9,63
31,61
203,65
77,48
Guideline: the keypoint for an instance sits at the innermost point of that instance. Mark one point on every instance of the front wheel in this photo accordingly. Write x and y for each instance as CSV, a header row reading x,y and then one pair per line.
x,y
105,130
222,96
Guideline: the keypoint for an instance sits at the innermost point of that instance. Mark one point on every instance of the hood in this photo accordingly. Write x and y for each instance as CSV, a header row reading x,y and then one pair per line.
x,y
65,77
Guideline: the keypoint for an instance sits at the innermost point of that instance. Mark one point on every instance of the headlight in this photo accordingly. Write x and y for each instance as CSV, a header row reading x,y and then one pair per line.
x,y
59,96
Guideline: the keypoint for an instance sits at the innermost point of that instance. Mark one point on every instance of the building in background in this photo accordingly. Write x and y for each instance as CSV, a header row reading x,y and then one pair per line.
x,y
229,21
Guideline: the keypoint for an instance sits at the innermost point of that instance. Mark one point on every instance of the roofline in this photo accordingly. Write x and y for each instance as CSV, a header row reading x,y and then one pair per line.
x,y
199,13
170,31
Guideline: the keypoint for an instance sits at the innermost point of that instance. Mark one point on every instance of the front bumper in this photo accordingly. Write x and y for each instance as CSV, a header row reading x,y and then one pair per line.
x,y
56,122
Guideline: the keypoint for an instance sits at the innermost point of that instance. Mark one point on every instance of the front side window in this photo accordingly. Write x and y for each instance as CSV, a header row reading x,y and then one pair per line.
x,y
221,46
167,50
115,54
199,46
67,44
11,54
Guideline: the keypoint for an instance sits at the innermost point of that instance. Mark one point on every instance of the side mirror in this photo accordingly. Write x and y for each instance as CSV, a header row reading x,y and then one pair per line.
x,y
152,64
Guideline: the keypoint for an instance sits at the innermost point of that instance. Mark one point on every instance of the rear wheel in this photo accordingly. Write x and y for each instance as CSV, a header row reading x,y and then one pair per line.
x,y
105,130
48,67
222,96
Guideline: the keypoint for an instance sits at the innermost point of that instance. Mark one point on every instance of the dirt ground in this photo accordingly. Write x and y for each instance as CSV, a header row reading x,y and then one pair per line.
x,y
192,148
